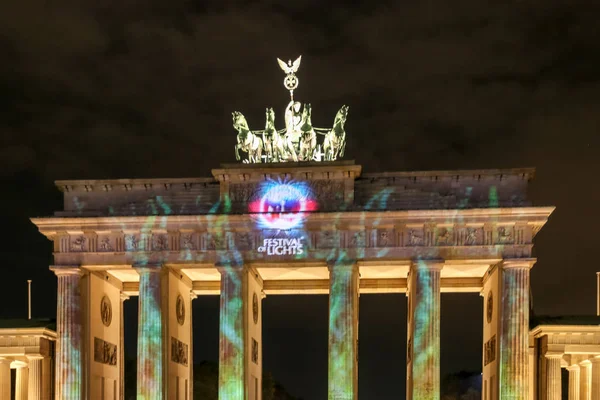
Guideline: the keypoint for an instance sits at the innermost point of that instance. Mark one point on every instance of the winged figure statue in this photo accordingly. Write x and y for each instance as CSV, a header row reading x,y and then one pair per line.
x,y
291,67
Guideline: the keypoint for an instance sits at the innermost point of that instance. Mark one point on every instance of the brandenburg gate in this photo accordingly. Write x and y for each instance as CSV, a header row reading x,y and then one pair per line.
x,y
292,219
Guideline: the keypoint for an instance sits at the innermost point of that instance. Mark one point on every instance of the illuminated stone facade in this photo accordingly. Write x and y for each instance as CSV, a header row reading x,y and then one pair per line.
x,y
565,343
27,346
258,230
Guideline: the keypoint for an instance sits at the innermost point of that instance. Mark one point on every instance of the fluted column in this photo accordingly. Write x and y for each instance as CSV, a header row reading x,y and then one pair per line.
x,y
573,382
5,378
595,378
68,371
231,334
35,378
191,380
553,377
514,331
343,331
21,383
150,349
585,380
122,351
424,331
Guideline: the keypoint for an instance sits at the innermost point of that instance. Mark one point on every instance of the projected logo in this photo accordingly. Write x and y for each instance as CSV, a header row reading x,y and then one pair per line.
x,y
282,205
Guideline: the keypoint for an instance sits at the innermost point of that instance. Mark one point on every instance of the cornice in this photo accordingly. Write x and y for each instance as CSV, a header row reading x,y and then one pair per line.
x,y
531,215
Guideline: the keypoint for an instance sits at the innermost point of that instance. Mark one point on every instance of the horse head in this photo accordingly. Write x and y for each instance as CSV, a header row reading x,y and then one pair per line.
x,y
340,120
270,121
240,124
306,124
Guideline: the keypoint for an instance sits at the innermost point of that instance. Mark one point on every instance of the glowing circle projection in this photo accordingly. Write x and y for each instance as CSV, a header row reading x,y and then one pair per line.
x,y
282,205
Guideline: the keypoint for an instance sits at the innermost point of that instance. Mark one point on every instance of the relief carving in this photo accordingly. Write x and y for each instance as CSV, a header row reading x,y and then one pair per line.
x,y
105,352
384,239
78,244
187,242
444,237
179,352
105,245
160,242
472,237
244,240
357,239
328,240
215,242
505,235
131,243
415,238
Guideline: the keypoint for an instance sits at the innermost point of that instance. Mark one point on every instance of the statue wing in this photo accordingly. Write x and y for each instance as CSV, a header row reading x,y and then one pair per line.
x,y
283,66
296,64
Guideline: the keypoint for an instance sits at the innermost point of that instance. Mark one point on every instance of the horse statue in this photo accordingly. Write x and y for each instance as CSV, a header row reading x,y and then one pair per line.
x,y
269,133
246,140
334,144
308,137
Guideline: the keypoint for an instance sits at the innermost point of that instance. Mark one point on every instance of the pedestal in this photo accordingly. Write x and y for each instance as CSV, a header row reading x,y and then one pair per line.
x,y
150,350
343,332
69,377
423,366
553,378
514,331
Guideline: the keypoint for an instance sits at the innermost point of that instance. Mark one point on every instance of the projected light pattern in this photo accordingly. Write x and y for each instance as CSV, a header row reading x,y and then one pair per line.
x,y
231,334
514,365
282,205
150,336
68,366
425,298
343,332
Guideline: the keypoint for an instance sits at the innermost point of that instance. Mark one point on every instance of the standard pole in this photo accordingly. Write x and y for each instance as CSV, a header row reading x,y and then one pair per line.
x,y
29,298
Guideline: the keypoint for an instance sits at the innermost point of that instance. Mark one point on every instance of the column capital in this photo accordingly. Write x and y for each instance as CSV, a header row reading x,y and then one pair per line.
x,y
518,263
193,296
585,363
5,361
227,268
553,355
573,367
595,360
148,266
62,270
123,296
34,357
435,264
350,264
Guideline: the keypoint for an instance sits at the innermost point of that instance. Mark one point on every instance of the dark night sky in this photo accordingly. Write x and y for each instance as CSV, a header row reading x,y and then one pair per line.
x,y
107,89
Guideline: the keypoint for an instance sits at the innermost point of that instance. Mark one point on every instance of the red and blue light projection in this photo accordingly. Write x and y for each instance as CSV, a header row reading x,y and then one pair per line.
x,y
282,205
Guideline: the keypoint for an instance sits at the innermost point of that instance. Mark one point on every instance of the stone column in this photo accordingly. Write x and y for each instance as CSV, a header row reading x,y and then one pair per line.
x,y
595,378
553,377
424,330
21,383
68,371
231,334
343,331
122,350
193,296
5,383
585,380
35,378
150,349
573,382
514,330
